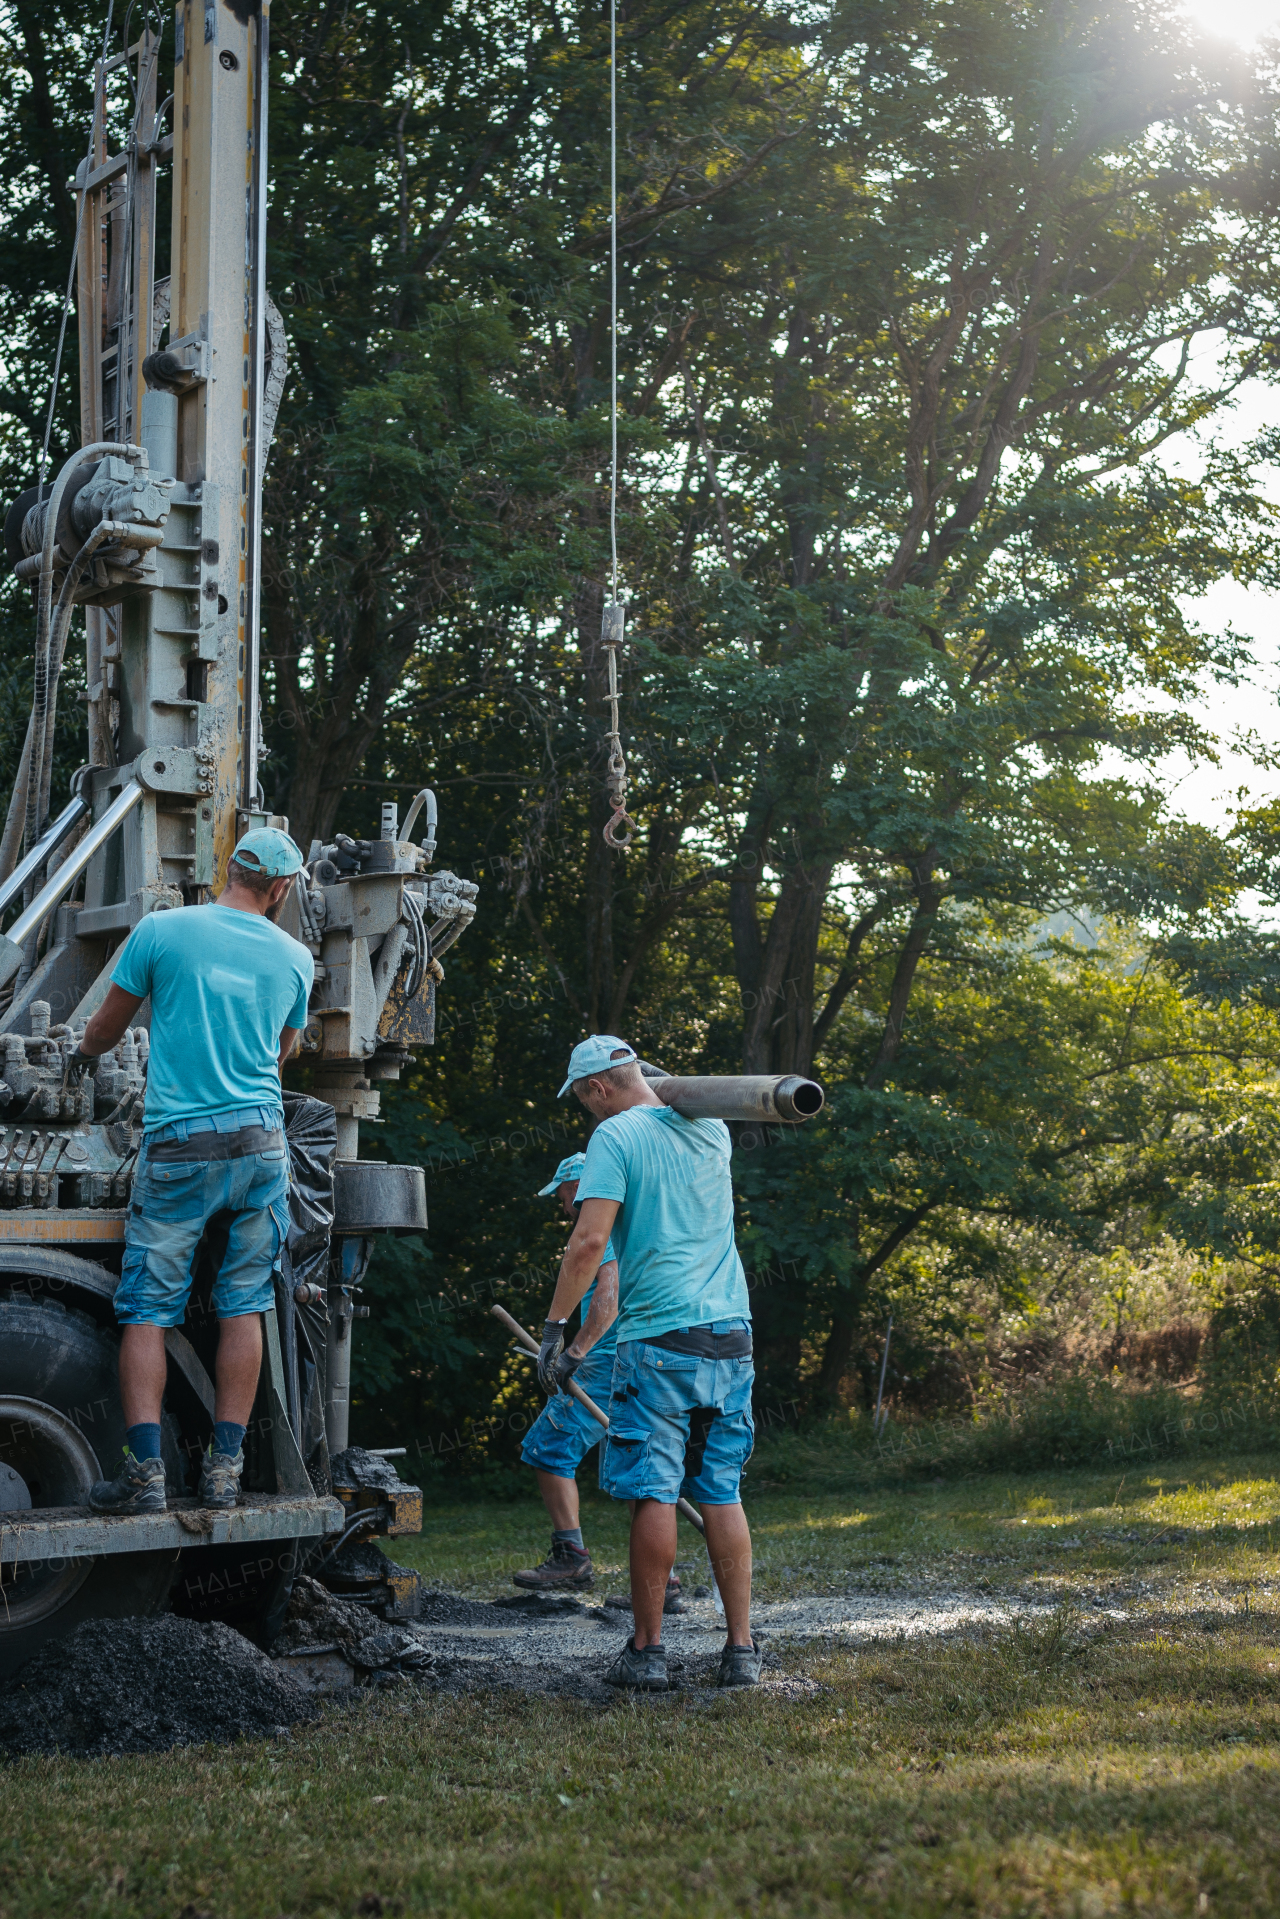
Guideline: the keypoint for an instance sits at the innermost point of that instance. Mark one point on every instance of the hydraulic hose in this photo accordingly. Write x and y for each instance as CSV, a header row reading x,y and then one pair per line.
x,y
138,536
428,799
98,450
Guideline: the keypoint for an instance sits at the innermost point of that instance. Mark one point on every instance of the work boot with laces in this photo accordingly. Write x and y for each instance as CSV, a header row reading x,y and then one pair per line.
x,y
220,1478
672,1601
643,1671
565,1568
138,1487
740,1665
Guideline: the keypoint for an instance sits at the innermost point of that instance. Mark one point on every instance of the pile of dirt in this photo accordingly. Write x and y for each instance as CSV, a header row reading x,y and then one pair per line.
x,y
145,1685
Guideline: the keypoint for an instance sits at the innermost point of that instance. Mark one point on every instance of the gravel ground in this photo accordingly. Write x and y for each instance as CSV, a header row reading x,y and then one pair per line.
x,y
566,1646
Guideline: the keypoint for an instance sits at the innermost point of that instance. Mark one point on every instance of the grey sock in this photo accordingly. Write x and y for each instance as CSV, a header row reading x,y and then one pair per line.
x,y
572,1537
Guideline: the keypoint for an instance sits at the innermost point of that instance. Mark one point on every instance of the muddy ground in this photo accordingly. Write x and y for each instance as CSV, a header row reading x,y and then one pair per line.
x,y
147,1685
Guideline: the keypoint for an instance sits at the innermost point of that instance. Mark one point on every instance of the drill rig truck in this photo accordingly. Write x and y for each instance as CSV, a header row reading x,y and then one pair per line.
x,y
154,527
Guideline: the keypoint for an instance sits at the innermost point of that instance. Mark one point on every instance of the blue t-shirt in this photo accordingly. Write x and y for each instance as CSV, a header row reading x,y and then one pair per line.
x,y
223,985
608,1342
677,1263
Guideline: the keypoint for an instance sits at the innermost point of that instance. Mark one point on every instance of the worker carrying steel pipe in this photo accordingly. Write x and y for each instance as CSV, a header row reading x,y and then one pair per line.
x,y
228,994
656,1186
564,1431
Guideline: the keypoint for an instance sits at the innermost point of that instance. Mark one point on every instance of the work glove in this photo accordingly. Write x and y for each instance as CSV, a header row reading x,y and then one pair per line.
x,y
549,1352
76,1067
564,1369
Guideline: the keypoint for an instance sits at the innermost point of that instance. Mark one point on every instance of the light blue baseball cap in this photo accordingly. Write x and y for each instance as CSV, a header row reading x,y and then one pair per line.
x,y
596,1055
570,1168
267,850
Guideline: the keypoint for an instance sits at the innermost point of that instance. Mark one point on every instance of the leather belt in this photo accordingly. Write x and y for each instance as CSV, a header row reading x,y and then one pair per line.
x,y
209,1146
705,1344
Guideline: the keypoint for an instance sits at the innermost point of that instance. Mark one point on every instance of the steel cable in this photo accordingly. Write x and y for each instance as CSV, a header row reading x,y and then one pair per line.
x,y
620,829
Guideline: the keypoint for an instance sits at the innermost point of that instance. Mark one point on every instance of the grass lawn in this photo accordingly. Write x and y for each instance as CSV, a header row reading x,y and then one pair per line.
x,y
1198,1524
1080,1766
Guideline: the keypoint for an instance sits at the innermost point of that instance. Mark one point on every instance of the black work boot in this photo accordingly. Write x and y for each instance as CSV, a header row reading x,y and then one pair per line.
x,y
220,1478
565,1567
740,1665
138,1487
672,1601
643,1671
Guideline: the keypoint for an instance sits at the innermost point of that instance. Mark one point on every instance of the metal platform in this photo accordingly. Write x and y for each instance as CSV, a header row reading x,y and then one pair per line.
x,y
75,1532
47,1226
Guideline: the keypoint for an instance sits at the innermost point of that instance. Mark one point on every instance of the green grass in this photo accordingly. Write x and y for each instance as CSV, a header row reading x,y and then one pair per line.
x,y
1080,1766
1185,1523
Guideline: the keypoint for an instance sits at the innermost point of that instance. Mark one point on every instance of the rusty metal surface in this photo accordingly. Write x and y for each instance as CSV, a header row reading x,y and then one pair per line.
x,y
319,1669
399,1511
87,1227
75,1532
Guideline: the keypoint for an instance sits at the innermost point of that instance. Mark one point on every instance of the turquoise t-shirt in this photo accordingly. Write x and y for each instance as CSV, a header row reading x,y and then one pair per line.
x,y
608,1342
223,986
677,1262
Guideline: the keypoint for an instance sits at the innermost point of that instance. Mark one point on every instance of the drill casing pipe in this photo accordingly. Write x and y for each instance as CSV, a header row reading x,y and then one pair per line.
x,y
785,1098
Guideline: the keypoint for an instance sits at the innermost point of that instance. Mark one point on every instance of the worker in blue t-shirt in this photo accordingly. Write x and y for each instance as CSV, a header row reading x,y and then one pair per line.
x,y
656,1186
228,995
564,1431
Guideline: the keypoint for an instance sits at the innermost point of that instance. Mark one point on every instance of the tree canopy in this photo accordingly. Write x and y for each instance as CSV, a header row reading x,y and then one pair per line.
x,y
917,302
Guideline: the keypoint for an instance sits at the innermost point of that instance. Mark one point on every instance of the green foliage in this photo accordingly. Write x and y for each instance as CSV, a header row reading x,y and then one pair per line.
x,y
911,306
1085,1421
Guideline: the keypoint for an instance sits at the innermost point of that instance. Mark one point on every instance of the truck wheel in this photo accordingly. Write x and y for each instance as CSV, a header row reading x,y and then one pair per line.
x,y
62,1427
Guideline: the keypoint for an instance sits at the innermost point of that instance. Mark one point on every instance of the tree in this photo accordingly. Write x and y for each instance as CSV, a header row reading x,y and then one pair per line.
x,y
910,303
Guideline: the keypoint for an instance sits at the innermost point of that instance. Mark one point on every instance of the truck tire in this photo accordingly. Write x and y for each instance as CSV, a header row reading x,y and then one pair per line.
x,y
61,1426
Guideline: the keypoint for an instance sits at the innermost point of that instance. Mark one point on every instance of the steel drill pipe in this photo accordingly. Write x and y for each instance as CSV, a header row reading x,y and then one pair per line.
x,y
777,1098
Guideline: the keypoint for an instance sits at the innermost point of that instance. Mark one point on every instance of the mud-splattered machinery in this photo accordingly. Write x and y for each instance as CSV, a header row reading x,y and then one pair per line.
x,y
153,528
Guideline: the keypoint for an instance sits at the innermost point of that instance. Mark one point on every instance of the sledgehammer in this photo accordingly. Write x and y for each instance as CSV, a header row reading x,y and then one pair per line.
x,y
530,1345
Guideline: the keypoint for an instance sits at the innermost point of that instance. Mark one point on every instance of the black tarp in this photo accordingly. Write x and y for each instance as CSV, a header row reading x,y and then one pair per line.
x,y
311,1133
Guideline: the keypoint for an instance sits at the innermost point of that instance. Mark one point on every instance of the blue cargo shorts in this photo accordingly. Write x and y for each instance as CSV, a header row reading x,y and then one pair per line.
x,y
172,1204
678,1425
564,1432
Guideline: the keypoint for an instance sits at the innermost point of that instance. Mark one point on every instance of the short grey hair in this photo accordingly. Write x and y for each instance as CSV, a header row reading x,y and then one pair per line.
x,y
625,1073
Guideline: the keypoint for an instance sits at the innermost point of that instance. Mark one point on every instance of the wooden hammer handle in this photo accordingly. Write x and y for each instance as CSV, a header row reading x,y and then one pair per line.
x,y
530,1345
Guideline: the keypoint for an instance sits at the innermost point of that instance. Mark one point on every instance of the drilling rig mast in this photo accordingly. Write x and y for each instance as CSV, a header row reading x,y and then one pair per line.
x,y
154,528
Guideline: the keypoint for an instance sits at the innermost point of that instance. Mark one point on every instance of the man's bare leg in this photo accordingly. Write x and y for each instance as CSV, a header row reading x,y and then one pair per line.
x,y
560,1497
729,1550
653,1554
143,1369
239,1363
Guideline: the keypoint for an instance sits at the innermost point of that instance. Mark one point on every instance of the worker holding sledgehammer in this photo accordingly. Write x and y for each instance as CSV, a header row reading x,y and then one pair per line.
x,y
656,1187
564,1432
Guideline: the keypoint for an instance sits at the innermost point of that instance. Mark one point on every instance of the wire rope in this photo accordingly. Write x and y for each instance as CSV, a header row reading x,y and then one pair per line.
x,y
620,829
613,299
